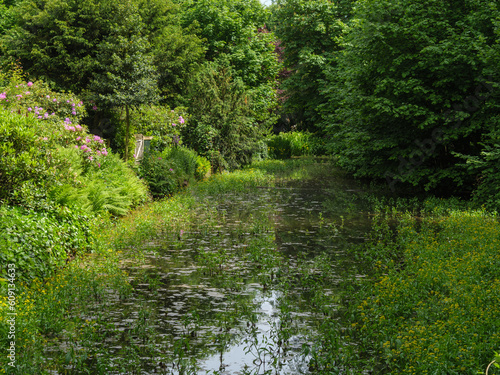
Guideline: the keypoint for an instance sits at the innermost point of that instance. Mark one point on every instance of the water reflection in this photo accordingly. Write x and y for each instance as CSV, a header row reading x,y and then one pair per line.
x,y
243,295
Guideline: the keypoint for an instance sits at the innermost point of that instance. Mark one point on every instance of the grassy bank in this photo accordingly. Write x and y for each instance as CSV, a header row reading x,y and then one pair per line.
x,y
431,303
428,304
60,318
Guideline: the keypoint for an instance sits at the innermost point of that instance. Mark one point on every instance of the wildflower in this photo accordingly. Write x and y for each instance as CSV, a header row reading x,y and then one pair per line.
x,y
181,120
3,95
27,92
29,109
73,113
30,84
48,96
46,115
54,100
173,124
171,170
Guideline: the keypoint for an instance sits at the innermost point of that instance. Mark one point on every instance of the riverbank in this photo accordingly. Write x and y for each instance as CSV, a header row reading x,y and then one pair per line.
x,y
422,296
431,305
60,312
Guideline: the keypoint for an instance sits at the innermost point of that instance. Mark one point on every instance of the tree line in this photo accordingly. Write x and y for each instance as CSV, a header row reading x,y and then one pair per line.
x,y
399,90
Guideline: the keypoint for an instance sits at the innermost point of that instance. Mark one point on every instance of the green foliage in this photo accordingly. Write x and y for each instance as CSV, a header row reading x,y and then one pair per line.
x,y
164,124
309,34
39,242
203,168
24,156
411,90
486,167
111,188
286,145
168,171
46,157
235,35
222,126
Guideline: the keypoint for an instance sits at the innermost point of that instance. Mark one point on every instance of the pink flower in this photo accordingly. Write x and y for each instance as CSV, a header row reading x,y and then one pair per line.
x,y
27,92
73,113
173,124
30,84
78,138
48,96
78,127
54,100
29,109
181,120
83,147
3,95
91,158
104,152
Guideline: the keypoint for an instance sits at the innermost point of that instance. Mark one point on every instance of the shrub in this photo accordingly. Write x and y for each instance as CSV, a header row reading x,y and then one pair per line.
x,y
286,145
164,124
112,187
39,242
172,169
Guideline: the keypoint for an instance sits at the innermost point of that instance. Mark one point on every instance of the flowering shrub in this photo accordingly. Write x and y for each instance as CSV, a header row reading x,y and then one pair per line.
x,y
60,114
172,169
163,123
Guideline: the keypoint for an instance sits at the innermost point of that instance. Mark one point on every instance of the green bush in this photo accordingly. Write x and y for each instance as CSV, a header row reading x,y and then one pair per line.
x,y
164,124
39,242
170,170
286,145
112,187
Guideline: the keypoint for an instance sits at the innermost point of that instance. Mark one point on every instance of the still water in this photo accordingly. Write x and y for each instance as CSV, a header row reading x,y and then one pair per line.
x,y
242,290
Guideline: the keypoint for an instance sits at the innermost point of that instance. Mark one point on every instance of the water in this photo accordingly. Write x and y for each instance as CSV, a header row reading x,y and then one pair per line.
x,y
243,291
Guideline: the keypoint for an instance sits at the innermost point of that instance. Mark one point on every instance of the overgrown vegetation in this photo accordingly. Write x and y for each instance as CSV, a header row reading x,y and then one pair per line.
x,y
404,92
428,306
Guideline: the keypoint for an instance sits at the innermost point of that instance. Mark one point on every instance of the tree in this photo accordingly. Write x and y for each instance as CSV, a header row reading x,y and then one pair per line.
x,y
309,32
126,76
58,41
234,33
222,126
411,90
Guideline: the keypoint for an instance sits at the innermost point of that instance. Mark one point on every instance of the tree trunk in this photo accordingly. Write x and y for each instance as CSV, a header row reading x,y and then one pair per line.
x,y
127,131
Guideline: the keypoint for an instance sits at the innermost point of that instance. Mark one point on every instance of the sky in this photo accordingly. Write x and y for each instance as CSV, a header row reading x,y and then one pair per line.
x,y
266,2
